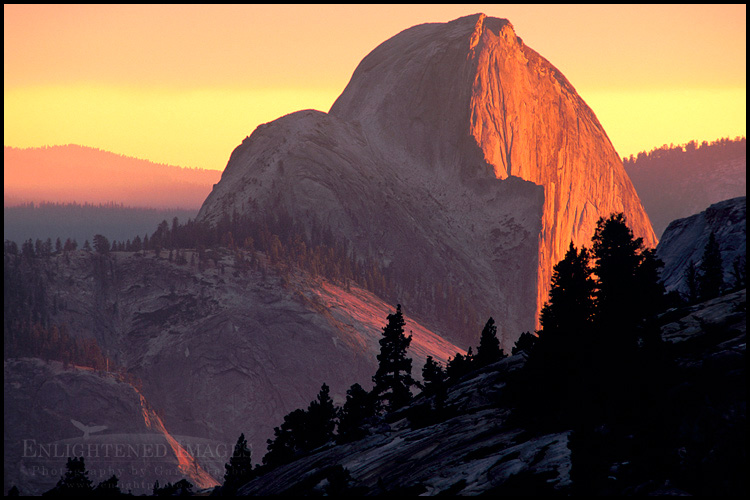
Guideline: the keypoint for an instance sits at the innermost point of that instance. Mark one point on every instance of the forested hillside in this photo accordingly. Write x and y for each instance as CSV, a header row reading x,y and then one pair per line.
x,y
81,221
676,181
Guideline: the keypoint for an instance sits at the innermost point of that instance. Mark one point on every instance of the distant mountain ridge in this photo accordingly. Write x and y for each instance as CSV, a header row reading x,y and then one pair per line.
x,y
81,221
674,182
73,173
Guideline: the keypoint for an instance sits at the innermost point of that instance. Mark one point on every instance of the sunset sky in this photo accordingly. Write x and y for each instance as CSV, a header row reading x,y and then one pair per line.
x,y
184,85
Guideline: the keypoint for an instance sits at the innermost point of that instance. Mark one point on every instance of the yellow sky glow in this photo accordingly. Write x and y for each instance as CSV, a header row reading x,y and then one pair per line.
x,y
185,84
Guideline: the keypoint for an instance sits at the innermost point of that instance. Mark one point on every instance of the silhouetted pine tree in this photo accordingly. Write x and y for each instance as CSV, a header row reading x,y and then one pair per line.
x,y
321,420
560,362
459,365
75,481
358,408
435,385
239,470
489,346
393,380
288,441
628,297
524,343
617,257
434,376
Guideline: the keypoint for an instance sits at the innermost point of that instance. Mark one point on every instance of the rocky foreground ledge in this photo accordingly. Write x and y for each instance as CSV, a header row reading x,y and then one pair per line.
x,y
476,448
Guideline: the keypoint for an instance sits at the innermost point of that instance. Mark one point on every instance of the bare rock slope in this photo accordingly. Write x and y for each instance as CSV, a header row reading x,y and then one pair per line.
x,y
454,151
684,241
217,350
475,445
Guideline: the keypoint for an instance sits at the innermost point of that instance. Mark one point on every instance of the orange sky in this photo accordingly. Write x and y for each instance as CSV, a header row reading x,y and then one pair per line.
x,y
183,85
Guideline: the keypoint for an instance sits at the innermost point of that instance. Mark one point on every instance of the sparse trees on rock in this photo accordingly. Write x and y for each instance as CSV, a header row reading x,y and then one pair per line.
x,y
303,431
459,365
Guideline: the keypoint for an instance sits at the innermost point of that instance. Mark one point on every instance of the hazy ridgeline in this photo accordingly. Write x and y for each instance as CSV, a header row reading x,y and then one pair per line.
x,y
677,181
82,221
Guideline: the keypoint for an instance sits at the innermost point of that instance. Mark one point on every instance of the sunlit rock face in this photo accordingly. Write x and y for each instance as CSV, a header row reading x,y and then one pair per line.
x,y
455,150
53,412
472,84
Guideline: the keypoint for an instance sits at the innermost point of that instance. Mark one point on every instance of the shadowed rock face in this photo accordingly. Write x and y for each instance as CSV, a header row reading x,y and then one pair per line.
x,y
685,240
218,350
421,161
474,446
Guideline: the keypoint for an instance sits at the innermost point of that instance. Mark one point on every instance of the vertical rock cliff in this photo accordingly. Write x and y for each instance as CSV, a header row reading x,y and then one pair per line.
x,y
447,93
456,154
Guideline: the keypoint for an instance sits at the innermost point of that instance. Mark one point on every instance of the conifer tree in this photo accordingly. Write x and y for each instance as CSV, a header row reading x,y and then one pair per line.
x,y
624,288
75,481
393,380
434,376
711,277
489,346
628,296
524,343
239,470
101,244
108,487
321,419
288,441
358,408
560,361
459,365
570,307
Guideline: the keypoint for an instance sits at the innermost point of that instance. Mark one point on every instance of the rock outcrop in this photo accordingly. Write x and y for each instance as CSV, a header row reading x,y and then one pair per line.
x,y
684,241
471,450
218,351
54,412
474,446
455,150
